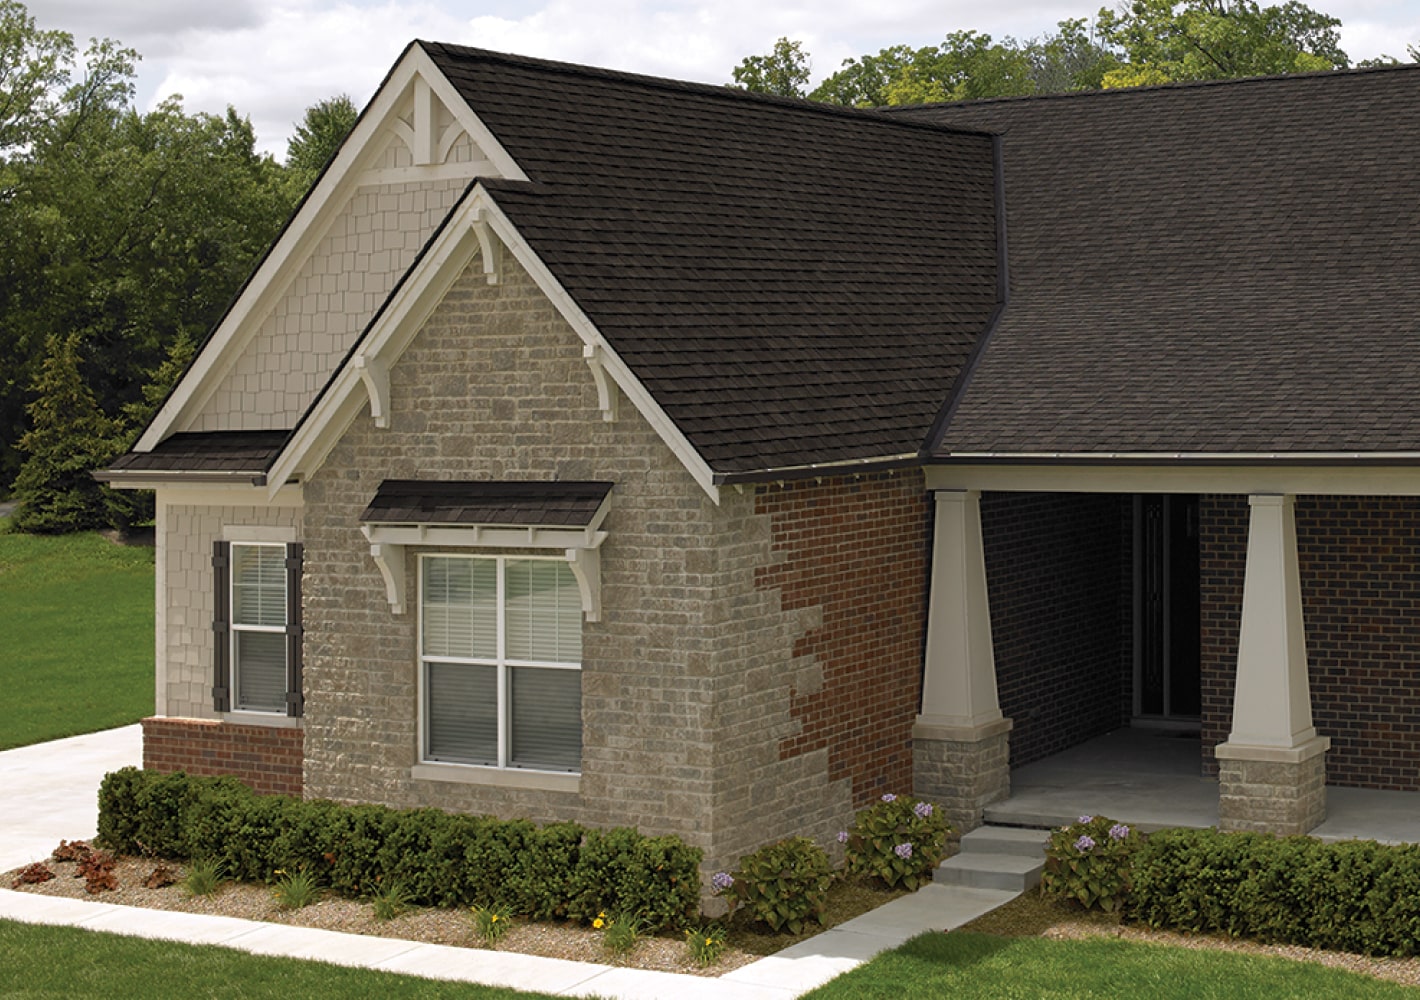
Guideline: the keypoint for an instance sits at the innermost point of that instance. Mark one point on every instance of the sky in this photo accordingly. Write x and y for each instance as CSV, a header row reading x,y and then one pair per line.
x,y
271,59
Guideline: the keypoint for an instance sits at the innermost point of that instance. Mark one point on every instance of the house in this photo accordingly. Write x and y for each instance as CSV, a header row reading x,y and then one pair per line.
x,y
598,447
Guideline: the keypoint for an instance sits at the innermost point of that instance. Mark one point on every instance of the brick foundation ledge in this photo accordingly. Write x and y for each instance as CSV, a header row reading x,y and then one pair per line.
x,y
266,758
1279,790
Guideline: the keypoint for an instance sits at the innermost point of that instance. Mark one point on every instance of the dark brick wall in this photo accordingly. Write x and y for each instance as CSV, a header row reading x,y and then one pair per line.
x,y
857,550
266,758
1359,560
1058,576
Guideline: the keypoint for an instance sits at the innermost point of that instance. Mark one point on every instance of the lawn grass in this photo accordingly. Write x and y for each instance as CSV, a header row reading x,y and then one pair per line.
x,y
964,966
76,635
75,964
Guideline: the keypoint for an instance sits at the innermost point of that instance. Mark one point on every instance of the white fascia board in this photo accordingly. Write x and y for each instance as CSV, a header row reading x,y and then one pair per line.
x,y
208,495
1339,479
310,225
611,362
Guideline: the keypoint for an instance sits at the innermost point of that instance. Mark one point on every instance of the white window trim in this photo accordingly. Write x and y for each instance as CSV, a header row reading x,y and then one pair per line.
x,y
252,715
502,773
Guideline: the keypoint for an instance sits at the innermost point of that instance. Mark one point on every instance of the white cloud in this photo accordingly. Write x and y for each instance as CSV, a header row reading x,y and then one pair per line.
x,y
273,58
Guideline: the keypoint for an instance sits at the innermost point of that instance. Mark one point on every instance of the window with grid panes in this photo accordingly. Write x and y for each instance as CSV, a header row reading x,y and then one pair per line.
x,y
258,627
500,662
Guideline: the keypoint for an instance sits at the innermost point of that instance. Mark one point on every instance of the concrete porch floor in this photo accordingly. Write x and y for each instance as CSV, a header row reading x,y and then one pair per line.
x,y
1150,778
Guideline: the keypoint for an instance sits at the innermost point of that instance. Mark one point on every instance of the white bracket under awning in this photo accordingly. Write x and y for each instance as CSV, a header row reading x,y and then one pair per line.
x,y
580,547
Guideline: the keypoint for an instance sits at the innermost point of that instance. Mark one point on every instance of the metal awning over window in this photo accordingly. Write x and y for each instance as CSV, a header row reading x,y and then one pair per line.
x,y
489,515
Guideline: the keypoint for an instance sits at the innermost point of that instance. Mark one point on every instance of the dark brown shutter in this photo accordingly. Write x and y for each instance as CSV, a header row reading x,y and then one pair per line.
x,y
295,701
221,627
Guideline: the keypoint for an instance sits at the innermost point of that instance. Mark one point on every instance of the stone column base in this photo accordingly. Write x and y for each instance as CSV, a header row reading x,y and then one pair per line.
x,y
964,769
1272,789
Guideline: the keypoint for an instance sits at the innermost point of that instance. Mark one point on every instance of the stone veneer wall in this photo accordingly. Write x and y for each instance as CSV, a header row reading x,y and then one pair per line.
x,y
688,680
1360,595
267,758
1059,607
185,549
856,549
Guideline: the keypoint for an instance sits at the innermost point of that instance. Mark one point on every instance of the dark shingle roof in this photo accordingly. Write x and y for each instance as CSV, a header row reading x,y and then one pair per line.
x,y
409,501
1225,268
793,284
235,452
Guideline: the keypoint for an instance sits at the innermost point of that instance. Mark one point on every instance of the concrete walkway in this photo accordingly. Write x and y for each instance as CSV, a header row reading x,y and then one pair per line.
x,y
50,795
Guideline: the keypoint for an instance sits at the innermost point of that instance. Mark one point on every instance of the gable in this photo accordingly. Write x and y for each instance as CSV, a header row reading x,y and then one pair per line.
x,y
412,153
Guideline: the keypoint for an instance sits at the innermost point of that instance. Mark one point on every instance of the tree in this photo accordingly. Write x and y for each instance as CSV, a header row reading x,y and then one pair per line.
x,y
783,72
318,136
69,437
1163,40
34,72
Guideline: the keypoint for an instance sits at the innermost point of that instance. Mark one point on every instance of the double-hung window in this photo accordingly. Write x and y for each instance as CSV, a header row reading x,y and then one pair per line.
x,y
257,626
500,641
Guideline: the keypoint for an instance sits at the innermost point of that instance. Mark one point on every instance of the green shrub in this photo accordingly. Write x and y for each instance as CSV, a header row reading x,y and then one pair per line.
x,y
621,933
898,839
1089,863
1354,896
437,858
294,890
490,923
782,884
620,871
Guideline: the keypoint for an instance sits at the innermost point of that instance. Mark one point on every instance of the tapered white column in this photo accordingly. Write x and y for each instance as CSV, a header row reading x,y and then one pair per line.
x,y
959,679
1272,705
1272,771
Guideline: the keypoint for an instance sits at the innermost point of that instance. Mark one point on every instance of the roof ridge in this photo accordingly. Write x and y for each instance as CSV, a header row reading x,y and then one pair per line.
x,y
716,90
892,111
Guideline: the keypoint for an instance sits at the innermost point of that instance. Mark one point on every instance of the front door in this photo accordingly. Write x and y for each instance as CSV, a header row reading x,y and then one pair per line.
x,y
1166,622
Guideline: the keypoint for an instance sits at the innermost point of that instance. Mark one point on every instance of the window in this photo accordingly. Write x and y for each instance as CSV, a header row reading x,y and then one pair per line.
x,y
500,661
257,626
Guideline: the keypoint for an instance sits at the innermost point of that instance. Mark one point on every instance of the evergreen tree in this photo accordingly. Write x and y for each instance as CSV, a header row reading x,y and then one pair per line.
x,y
68,437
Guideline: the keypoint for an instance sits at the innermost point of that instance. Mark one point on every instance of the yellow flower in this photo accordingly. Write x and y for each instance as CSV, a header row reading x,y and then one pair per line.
x,y
709,941
495,918
598,923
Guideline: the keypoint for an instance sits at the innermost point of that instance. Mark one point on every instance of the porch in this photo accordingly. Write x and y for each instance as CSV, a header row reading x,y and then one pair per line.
x,y
1150,778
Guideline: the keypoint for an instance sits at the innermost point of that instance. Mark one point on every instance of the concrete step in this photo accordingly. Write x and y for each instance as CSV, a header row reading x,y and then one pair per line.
x,y
1011,872
1027,843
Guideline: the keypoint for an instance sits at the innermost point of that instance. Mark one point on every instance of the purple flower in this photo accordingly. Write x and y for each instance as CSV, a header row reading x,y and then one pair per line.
x,y
1118,832
843,836
1086,819
721,881
889,797
923,809
1085,843
903,851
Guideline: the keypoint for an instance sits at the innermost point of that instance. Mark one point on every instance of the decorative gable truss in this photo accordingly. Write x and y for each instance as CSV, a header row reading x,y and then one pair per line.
x,y
416,130
475,229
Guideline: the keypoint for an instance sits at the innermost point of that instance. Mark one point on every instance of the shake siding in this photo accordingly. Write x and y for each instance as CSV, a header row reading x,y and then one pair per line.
x,y
186,551
329,302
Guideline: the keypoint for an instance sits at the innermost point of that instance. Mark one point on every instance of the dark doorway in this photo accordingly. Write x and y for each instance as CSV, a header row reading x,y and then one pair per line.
x,y
1166,623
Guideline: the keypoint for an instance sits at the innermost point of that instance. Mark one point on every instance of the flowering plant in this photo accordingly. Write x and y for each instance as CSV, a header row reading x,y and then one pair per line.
x,y
898,839
784,884
1089,862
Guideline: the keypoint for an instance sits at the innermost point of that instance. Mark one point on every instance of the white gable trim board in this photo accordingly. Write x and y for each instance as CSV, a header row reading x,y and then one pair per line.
x,y
477,227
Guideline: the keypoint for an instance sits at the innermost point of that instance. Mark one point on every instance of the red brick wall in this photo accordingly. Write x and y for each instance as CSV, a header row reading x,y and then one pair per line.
x,y
1222,554
266,758
1359,560
1057,573
857,549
